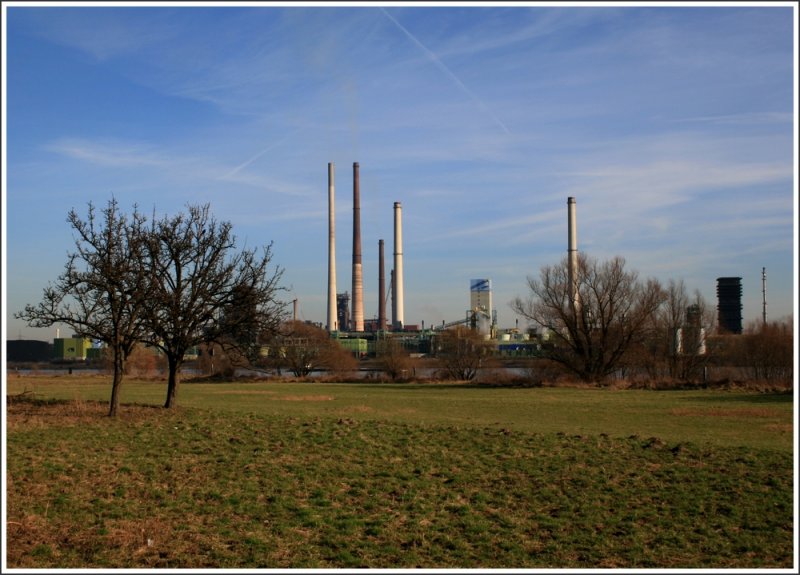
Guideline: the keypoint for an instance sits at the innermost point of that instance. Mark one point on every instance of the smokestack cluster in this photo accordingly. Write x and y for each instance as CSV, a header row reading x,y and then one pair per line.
x,y
332,315
357,319
572,254
358,280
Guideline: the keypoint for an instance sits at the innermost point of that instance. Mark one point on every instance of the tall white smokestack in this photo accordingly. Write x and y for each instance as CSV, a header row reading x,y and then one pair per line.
x,y
397,283
572,253
358,279
332,315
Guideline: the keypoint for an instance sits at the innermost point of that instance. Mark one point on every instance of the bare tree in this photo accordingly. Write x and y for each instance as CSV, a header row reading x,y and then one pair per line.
x,y
461,351
103,291
393,358
204,291
682,324
613,310
673,344
766,351
302,348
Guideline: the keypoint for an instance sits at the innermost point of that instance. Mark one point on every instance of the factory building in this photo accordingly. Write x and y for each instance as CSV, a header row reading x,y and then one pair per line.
x,y
482,316
71,348
729,305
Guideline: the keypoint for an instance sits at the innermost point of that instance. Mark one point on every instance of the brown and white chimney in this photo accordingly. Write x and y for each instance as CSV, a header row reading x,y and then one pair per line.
x,y
358,280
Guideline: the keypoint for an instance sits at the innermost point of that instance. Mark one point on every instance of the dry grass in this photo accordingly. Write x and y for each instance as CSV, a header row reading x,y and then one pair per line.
x,y
208,488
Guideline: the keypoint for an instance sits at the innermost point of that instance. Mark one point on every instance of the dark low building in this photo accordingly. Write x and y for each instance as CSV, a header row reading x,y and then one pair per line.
x,y
28,350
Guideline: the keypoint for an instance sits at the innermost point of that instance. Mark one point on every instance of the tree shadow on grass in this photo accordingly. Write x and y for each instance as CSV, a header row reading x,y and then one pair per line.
x,y
783,397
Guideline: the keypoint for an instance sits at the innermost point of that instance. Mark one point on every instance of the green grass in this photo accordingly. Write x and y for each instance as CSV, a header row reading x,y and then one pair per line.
x,y
343,476
720,417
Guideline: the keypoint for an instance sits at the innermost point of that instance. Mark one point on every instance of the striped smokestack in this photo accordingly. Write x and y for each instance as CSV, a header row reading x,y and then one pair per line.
x,y
332,315
397,280
572,254
381,289
358,280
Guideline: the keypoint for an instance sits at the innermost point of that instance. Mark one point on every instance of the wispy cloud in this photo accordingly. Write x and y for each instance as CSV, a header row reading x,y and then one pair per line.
x,y
102,32
749,118
447,72
107,152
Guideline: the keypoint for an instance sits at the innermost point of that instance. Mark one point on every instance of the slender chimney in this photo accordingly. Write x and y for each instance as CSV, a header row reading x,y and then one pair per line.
x,y
332,315
381,289
394,299
397,284
572,254
358,281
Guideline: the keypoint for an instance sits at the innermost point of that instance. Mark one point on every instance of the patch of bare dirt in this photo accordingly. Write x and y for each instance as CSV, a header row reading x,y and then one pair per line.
x,y
306,398
722,412
25,411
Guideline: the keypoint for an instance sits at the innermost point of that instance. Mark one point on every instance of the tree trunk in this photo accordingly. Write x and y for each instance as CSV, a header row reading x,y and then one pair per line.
x,y
172,381
119,367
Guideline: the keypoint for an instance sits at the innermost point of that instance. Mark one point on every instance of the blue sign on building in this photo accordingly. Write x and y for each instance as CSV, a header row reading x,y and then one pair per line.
x,y
480,285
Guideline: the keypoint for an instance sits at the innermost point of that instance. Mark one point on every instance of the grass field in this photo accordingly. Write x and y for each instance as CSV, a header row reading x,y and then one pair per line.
x,y
251,475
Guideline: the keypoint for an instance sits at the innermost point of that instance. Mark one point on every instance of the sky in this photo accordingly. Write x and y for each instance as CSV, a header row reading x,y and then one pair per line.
x,y
672,126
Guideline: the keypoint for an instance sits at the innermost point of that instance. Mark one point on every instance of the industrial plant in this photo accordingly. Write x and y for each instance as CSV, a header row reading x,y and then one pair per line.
x,y
345,313
346,323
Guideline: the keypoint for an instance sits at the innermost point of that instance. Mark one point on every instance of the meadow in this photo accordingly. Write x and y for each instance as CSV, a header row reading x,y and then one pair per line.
x,y
280,475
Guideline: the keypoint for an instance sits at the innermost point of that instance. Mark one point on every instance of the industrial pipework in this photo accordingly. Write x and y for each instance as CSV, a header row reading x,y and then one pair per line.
x,y
358,280
332,316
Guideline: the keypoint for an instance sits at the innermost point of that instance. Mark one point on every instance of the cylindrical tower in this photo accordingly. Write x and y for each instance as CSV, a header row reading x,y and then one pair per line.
x,y
572,253
332,319
381,289
397,285
358,280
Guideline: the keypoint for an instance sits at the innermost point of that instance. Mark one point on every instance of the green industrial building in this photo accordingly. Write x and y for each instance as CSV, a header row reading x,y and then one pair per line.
x,y
71,348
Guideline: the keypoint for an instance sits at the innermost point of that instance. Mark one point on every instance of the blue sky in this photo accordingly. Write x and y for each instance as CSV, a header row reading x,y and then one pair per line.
x,y
673,127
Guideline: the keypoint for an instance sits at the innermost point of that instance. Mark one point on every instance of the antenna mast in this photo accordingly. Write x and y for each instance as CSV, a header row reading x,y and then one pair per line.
x,y
764,295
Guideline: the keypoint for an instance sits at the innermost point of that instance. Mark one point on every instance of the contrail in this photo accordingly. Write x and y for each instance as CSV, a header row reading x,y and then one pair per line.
x,y
275,144
435,59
